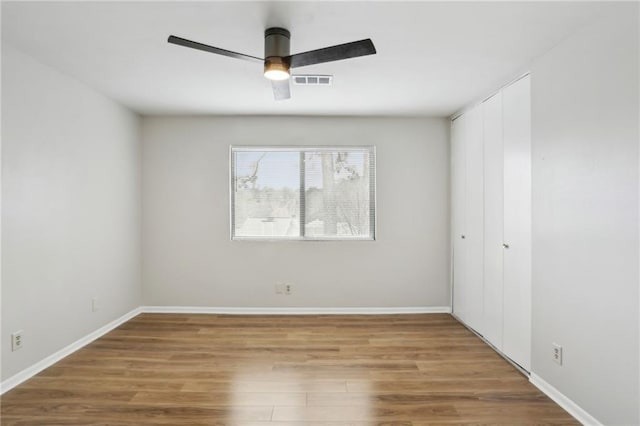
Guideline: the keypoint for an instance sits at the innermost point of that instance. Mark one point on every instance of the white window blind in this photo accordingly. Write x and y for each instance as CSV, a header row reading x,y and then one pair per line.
x,y
323,193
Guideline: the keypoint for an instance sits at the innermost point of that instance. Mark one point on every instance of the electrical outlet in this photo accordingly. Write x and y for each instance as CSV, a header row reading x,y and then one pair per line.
x,y
94,304
16,340
288,288
557,353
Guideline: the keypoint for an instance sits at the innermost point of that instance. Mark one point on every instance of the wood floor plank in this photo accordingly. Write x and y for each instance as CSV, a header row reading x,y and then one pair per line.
x,y
365,413
413,398
286,386
497,386
221,398
140,414
281,370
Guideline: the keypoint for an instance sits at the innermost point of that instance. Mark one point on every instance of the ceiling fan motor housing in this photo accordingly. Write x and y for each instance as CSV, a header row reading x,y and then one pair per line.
x,y
276,47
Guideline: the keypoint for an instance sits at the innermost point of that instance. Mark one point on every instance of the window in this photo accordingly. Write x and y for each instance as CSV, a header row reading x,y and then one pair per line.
x,y
305,193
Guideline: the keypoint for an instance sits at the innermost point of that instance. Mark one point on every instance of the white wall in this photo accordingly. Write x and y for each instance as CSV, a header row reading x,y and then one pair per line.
x,y
585,216
70,210
190,261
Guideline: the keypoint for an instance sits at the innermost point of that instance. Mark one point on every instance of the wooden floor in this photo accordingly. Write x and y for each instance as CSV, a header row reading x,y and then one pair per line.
x,y
166,369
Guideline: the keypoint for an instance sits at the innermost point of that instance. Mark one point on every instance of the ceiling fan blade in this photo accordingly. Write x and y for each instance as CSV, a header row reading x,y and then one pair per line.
x,y
333,53
281,90
195,45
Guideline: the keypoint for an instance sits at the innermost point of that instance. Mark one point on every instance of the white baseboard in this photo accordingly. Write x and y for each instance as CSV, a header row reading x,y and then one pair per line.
x,y
559,398
29,372
294,311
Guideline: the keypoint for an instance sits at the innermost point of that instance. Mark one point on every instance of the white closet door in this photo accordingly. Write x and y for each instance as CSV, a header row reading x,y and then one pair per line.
x,y
474,219
458,206
493,219
516,101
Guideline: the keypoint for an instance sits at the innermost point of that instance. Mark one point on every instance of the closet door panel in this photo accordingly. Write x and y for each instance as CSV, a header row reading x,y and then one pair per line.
x,y
474,219
458,206
493,219
517,222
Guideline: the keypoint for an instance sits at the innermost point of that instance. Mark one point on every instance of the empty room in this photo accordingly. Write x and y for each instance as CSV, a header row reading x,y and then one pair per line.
x,y
320,213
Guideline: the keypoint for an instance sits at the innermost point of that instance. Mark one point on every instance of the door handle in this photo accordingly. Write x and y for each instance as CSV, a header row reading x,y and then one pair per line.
x,y
505,245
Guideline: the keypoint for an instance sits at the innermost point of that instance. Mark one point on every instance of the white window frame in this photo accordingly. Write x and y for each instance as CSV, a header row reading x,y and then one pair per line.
x,y
302,149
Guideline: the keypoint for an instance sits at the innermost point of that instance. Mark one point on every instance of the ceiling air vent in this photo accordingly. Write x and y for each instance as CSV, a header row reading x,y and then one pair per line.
x,y
312,80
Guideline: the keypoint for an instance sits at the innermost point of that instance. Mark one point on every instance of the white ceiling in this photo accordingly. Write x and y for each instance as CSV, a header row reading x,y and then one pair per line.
x,y
433,57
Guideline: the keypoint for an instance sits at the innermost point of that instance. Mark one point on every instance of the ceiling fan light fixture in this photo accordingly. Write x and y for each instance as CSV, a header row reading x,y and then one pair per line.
x,y
278,60
276,69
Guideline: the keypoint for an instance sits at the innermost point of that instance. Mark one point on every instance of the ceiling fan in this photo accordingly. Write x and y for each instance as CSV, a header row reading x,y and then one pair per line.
x,y
277,60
